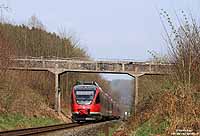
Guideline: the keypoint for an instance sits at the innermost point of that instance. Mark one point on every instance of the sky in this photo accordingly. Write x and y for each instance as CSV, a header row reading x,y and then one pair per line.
x,y
107,29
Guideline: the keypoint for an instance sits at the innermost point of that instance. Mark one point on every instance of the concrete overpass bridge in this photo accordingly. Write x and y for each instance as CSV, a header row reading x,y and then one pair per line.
x,y
59,66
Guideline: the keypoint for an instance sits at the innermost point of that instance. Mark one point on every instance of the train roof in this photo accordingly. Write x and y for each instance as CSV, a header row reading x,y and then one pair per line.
x,y
87,83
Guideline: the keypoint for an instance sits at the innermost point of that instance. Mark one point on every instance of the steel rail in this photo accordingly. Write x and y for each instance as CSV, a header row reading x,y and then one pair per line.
x,y
39,130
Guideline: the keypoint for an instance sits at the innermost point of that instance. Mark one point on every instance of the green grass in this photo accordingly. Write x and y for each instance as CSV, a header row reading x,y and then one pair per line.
x,y
13,121
150,128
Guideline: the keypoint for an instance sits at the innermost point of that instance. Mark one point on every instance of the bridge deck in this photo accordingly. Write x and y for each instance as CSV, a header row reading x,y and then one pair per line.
x,y
90,66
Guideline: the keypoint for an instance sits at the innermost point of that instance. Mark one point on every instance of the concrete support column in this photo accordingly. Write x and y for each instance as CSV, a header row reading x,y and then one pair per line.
x,y
136,94
150,69
57,93
96,65
123,67
135,91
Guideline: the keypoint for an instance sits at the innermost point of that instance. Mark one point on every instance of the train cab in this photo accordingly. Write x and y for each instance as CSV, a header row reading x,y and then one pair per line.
x,y
90,103
85,102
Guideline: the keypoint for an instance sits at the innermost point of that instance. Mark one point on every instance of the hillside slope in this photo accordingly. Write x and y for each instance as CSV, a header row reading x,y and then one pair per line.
x,y
29,95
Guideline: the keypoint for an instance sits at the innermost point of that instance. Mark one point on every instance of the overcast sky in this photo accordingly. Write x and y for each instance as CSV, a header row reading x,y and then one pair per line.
x,y
114,29
106,28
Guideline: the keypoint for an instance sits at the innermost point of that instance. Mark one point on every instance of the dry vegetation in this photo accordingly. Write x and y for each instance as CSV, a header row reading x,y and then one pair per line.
x,y
184,45
5,52
172,103
21,92
32,93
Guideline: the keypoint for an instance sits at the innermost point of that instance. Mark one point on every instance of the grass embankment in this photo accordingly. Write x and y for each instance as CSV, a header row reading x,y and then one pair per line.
x,y
151,127
111,130
16,121
23,107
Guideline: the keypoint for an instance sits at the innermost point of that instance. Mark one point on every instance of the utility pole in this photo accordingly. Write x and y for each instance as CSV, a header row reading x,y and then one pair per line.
x,y
2,8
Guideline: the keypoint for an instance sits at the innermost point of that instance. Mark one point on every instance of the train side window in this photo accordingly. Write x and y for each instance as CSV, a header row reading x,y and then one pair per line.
x,y
98,99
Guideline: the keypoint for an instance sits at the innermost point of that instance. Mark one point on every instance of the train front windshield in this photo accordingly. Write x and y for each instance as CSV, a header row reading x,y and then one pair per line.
x,y
84,97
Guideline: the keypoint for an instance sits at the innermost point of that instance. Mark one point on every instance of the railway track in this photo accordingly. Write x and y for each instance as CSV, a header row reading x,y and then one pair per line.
x,y
39,130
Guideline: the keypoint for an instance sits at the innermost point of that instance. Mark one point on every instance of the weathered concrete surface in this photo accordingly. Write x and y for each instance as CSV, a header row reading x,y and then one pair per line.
x,y
67,65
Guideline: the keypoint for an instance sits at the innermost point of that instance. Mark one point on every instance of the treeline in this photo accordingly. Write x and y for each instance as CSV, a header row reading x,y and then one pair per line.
x,y
36,42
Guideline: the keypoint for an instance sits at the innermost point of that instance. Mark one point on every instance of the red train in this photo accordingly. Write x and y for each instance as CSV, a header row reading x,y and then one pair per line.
x,y
90,103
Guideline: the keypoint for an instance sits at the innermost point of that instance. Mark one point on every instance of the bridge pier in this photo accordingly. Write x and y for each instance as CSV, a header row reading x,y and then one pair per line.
x,y
136,94
136,90
57,93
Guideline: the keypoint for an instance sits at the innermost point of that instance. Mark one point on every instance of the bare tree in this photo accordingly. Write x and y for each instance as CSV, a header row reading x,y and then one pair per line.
x,y
184,48
34,22
5,53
